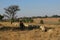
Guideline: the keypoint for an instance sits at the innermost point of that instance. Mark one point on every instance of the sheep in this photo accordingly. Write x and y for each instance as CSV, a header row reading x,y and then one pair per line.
x,y
15,24
43,28
26,25
46,29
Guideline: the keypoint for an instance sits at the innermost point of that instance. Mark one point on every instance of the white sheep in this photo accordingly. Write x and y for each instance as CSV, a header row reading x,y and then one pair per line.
x,y
42,28
15,24
26,25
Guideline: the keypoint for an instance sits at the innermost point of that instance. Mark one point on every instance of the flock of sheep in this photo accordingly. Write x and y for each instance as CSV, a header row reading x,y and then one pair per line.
x,y
41,27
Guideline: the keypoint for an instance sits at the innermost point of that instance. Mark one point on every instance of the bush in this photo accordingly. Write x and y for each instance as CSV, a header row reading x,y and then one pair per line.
x,y
59,21
31,20
41,22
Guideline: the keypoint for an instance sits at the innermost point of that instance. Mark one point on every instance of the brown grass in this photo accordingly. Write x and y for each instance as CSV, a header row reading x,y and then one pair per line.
x,y
35,34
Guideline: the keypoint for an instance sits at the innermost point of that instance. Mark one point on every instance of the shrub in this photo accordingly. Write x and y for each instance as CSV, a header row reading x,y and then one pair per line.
x,y
59,20
31,20
41,22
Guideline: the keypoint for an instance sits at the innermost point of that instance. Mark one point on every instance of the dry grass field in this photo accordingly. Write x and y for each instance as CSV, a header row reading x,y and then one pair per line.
x,y
34,34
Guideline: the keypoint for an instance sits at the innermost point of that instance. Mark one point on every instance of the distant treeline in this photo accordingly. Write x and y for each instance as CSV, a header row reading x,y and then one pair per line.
x,y
53,16
29,19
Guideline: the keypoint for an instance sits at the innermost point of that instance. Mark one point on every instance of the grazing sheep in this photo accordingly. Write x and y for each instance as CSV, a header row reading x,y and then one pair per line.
x,y
43,28
26,25
15,24
46,29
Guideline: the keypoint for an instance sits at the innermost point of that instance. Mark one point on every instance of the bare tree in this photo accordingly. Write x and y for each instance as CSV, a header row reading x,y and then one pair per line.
x,y
11,12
